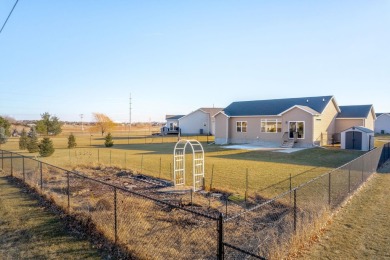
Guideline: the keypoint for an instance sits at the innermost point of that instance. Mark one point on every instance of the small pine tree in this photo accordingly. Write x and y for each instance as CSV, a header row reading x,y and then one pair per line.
x,y
23,140
108,140
32,143
72,141
3,136
46,147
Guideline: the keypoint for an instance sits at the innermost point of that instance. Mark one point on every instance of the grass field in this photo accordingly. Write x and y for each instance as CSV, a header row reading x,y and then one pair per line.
x,y
233,171
28,231
226,170
361,229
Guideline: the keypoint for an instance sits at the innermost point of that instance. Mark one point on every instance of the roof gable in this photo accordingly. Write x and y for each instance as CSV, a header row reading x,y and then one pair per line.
x,y
357,111
382,114
304,108
211,110
276,106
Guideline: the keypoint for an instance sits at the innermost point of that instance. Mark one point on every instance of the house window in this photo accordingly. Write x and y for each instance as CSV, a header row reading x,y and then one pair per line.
x,y
297,127
173,126
270,126
241,126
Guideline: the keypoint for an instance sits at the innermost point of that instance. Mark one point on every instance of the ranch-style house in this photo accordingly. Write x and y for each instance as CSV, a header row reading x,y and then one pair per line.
x,y
298,122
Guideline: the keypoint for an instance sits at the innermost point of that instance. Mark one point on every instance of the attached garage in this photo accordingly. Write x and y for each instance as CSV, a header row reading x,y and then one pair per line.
x,y
357,138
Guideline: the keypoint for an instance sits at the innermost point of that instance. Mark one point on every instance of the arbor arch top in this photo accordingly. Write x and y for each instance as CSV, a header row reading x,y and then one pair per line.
x,y
179,171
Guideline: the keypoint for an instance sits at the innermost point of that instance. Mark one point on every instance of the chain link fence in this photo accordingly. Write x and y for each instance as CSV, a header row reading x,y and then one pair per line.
x,y
197,225
269,230
147,227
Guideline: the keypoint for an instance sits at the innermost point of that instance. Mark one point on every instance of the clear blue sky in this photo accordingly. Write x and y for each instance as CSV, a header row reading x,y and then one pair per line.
x,y
72,57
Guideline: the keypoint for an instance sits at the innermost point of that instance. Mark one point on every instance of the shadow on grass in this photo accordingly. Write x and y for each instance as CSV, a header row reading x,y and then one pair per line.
x,y
385,169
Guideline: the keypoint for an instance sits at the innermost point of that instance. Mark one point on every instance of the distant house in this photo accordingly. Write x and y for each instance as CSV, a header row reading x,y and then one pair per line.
x,y
172,125
300,122
200,121
382,123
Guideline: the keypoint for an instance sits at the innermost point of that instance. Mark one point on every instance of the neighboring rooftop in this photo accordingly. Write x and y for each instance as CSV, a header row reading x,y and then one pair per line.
x,y
211,110
358,111
276,106
379,114
173,117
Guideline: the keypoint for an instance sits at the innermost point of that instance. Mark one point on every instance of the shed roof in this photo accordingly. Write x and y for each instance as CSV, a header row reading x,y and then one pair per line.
x,y
276,106
360,128
358,111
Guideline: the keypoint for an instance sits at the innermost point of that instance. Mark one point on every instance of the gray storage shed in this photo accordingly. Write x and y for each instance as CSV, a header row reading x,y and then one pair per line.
x,y
357,138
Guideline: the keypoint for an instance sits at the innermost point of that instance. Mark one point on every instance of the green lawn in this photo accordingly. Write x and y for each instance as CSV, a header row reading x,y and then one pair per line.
x,y
28,231
225,169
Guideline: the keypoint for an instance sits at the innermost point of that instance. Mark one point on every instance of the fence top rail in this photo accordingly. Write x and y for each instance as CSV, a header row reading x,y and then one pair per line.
x,y
260,205
120,188
297,187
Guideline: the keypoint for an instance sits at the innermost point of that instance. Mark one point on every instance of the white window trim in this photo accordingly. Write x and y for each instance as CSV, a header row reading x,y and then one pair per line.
x,y
241,126
271,120
304,129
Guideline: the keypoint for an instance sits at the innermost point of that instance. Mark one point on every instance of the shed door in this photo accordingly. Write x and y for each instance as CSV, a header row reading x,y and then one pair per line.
x,y
353,140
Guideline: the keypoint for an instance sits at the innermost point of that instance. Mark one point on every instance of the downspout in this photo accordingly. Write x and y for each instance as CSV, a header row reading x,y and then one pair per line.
x,y
227,130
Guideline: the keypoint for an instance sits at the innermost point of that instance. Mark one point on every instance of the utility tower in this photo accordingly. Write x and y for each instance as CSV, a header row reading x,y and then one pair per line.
x,y
128,139
81,119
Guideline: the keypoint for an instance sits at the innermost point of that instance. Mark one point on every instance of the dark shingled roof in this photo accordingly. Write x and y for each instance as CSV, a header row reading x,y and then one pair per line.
x,y
359,111
173,117
275,106
379,114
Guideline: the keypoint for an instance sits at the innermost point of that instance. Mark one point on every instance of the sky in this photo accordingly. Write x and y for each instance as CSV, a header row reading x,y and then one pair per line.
x,y
83,56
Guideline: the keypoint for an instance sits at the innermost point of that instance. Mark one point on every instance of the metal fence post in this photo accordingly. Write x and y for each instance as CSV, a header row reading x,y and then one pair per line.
x,y
212,176
329,190
68,190
246,185
115,216
12,167
349,178
142,162
125,160
2,158
159,173
290,188
220,252
40,166
362,169
295,210
24,174
98,155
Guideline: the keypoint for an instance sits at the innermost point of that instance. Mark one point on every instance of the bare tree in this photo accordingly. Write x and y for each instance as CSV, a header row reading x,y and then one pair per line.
x,y
103,123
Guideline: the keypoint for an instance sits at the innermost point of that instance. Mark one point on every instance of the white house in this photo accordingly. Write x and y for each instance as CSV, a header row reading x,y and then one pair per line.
x,y
200,121
382,123
172,125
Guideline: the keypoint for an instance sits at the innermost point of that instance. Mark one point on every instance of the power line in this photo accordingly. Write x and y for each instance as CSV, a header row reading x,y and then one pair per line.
x,y
9,16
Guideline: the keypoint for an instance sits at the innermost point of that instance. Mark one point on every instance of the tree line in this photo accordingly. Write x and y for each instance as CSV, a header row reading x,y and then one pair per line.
x,y
51,125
